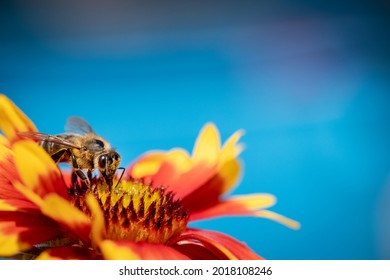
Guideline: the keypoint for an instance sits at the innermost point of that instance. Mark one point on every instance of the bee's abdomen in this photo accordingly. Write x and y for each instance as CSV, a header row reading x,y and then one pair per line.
x,y
49,147
52,147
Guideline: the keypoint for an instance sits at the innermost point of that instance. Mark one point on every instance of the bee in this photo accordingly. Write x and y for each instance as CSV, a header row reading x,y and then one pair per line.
x,y
82,148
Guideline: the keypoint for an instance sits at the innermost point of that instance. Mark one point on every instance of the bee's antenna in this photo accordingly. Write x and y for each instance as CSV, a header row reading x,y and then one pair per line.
x,y
123,172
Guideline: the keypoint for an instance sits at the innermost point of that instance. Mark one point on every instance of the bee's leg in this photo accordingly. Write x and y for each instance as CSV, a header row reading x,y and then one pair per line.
x,y
89,174
119,180
74,178
78,172
65,153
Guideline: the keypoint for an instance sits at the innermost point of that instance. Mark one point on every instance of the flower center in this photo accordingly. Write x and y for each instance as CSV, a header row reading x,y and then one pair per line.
x,y
134,211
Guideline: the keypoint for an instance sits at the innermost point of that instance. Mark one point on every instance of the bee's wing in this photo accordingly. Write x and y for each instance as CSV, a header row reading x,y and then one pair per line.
x,y
78,125
38,136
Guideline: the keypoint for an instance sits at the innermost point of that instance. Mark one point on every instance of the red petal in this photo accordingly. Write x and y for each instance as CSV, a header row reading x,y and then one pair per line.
x,y
71,219
25,228
120,250
164,176
192,185
8,177
220,245
242,205
188,184
202,184
196,252
37,170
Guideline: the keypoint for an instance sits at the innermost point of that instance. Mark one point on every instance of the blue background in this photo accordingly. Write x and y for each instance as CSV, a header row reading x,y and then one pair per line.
x,y
307,80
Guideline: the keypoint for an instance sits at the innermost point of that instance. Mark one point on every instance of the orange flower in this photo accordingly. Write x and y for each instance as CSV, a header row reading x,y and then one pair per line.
x,y
145,216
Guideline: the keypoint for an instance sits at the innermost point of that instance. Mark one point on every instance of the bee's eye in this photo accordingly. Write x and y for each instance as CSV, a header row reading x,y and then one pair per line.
x,y
102,161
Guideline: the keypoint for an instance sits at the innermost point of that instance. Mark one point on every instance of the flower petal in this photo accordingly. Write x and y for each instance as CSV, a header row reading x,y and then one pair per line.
x,y
245,205
70,219
193,188
11,245
162,168
206,151
126,250
10,197
147,165
231,149
20,230
180,180
13,120
4,206
207,145
229,172
278,218
112,250
67,253
64,213
165,176
195,251
220,245
37,170
211,169
98,228
242,205
3,140
8,172
189,183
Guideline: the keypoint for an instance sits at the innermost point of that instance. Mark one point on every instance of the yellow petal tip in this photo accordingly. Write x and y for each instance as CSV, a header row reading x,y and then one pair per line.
x,y
279,218
12,119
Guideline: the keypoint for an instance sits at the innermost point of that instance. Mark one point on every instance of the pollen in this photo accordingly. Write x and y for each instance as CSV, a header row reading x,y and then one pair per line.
x,y
135,211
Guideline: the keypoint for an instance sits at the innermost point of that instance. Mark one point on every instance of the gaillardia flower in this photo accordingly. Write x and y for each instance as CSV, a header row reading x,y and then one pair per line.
x,y
44,215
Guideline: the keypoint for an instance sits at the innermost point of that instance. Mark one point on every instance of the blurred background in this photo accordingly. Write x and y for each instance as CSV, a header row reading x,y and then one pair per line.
x,y
307,80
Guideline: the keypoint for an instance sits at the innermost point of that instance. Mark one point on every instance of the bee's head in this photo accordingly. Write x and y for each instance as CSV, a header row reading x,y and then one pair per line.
x,y
108,163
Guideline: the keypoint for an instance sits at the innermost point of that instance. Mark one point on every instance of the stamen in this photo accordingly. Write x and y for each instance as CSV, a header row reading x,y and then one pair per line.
x,y
134,211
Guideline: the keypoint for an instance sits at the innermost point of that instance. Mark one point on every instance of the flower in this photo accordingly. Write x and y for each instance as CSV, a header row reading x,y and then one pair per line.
x,y
145,216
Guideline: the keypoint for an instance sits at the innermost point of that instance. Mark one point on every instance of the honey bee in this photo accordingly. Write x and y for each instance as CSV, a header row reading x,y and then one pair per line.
x,y
82,148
